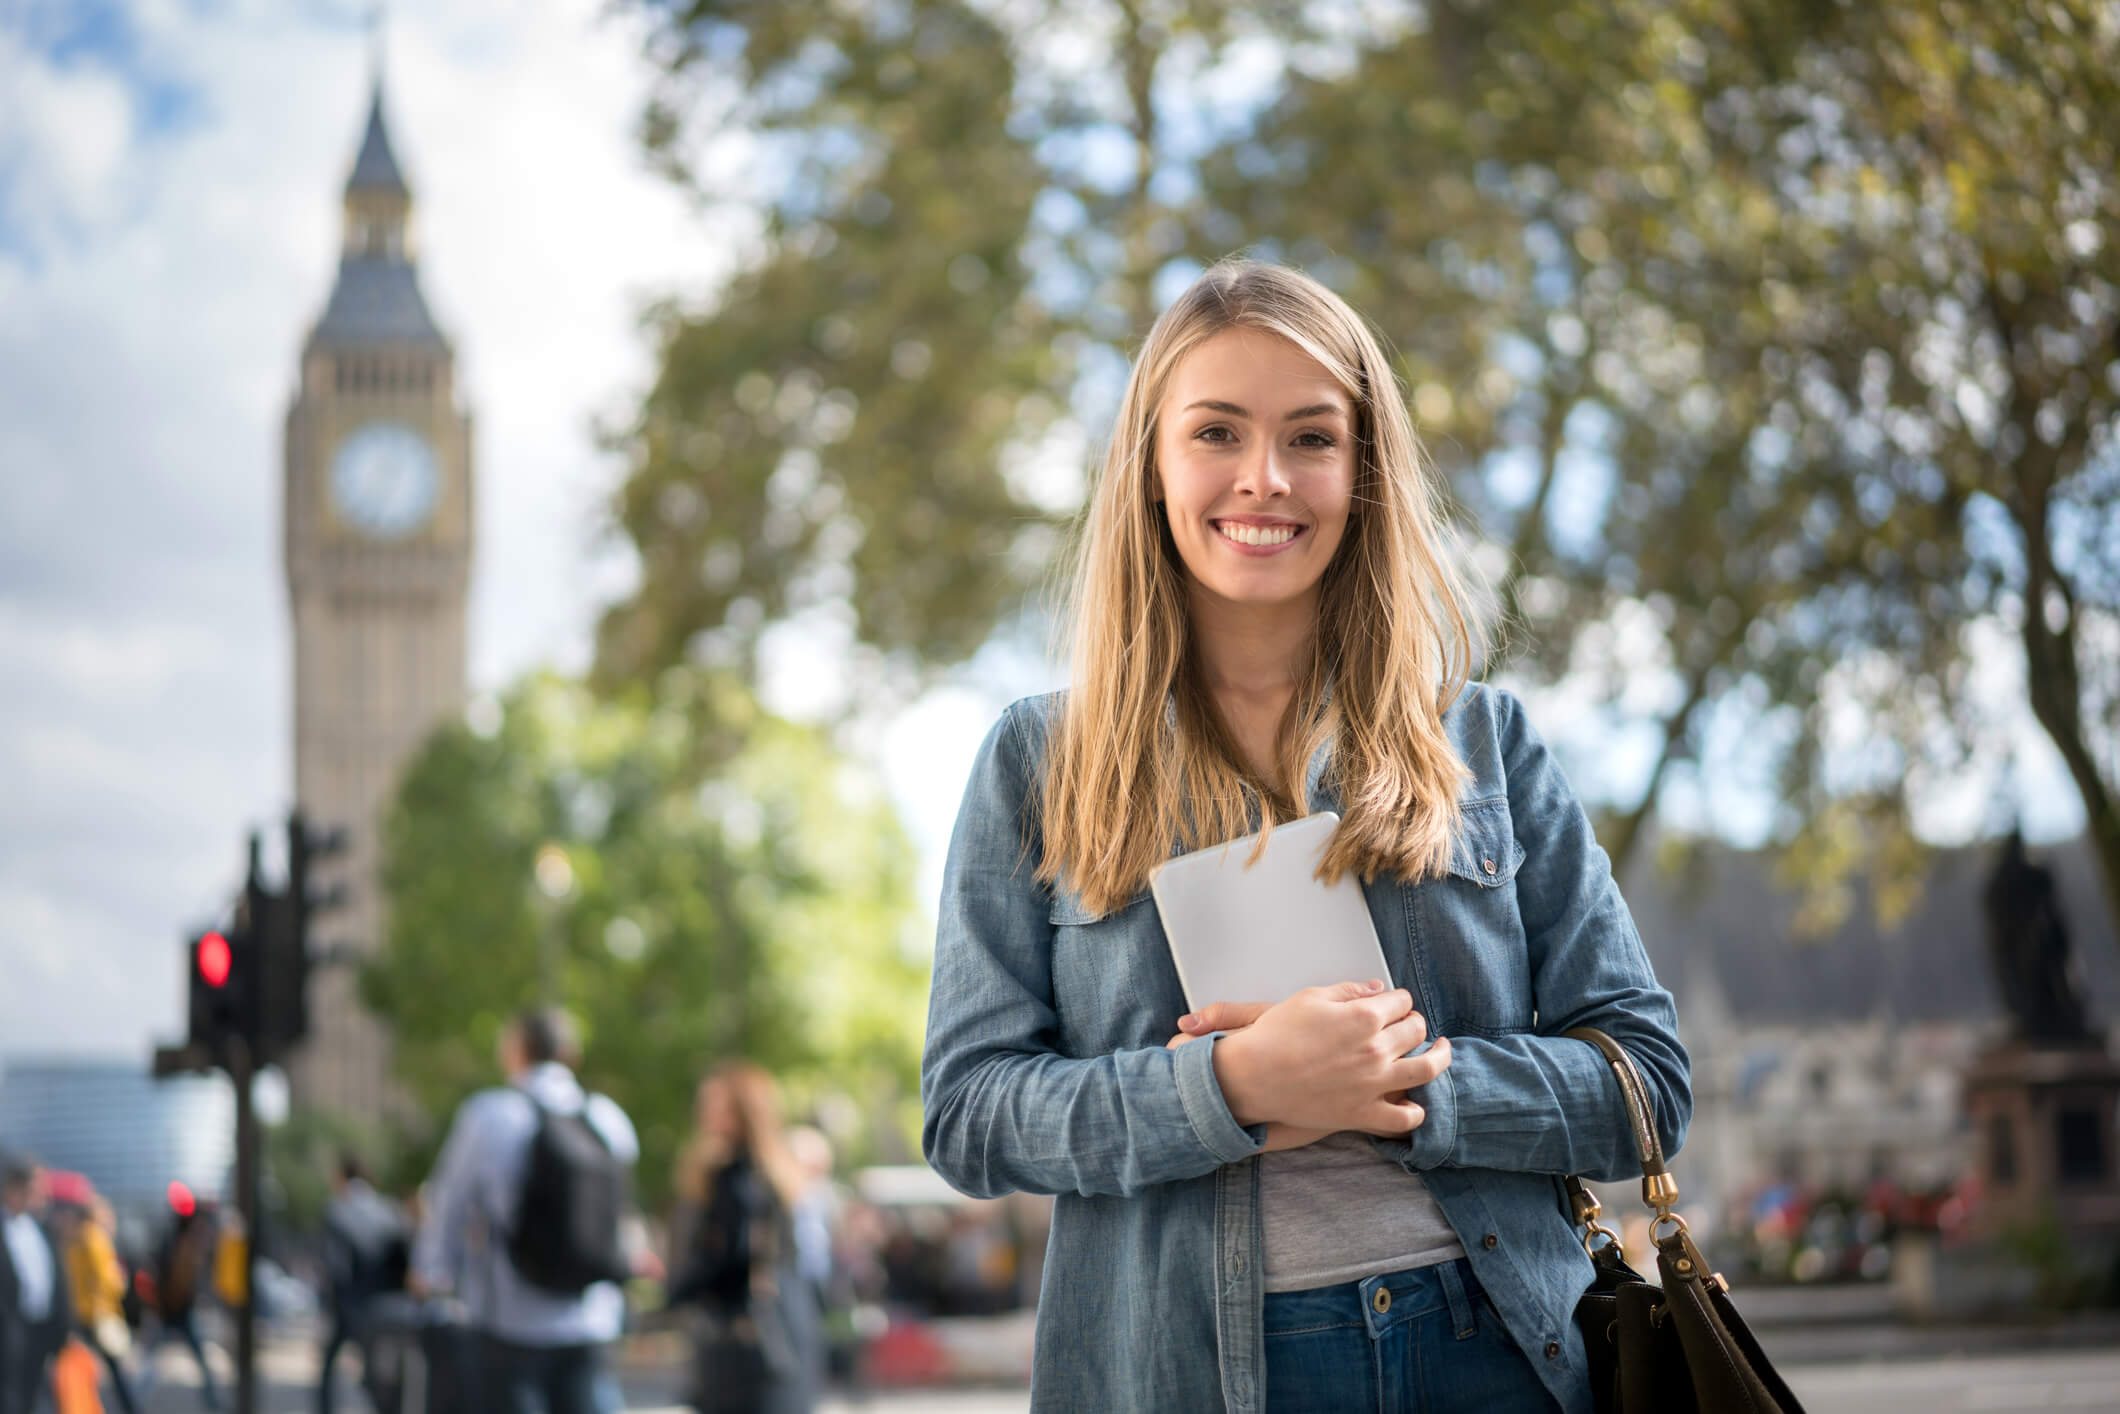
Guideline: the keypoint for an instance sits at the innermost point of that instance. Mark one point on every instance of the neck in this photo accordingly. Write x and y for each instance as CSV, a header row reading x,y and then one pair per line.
x,y
1251,652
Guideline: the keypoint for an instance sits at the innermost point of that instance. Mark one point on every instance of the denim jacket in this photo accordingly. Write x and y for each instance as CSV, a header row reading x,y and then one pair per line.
x,y
1046,1071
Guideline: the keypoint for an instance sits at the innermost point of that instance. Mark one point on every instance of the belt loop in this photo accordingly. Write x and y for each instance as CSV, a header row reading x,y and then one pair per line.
x,y
1461,1315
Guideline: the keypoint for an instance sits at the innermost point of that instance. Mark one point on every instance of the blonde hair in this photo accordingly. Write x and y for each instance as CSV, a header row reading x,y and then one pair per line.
x,y
1140,757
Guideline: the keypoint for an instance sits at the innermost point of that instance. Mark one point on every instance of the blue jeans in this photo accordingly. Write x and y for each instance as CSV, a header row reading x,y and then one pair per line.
x,y
1425,1341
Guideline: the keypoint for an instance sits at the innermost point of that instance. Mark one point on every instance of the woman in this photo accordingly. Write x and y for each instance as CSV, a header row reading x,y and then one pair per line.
x,y
97,1281
734,1251
1297,1206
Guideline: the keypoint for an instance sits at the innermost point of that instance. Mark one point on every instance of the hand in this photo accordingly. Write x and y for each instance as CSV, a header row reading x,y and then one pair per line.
x,y
1234,1016
1331,1058
416,1286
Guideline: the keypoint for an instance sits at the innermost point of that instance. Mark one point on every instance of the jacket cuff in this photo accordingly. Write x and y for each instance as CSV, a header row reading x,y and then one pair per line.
x,y
1432,1144
1201,1095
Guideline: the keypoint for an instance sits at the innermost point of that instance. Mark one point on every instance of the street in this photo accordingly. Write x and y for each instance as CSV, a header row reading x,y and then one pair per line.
x,y
1995,1384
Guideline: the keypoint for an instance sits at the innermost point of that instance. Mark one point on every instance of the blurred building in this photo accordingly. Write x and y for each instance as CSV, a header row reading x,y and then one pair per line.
x,y
377,513
1833,1062
130,1134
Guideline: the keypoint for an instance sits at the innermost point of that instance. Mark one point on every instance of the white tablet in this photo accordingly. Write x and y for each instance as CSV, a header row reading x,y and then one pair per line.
x,y
1262,933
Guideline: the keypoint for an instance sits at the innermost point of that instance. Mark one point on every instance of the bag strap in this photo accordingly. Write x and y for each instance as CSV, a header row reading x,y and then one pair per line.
x,y
1659,1188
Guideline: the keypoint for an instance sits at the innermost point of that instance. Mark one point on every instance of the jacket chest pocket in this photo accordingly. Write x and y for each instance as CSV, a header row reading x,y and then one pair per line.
x,y
1467,934
1114,985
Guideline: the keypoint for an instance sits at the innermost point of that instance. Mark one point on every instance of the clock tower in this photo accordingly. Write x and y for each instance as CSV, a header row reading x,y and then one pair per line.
x,y
377,509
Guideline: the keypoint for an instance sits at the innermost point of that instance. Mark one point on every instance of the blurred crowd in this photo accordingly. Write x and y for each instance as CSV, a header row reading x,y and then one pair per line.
x,y
782,1273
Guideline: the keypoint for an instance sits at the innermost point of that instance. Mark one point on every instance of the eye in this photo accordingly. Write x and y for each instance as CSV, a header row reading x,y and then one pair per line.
x,y
1315,441
1214,427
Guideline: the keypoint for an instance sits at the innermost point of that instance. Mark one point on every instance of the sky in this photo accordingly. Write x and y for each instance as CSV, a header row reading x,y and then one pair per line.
x,y
169,183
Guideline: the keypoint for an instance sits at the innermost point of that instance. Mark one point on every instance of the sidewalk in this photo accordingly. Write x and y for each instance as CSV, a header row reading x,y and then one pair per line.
x,y
1811,1325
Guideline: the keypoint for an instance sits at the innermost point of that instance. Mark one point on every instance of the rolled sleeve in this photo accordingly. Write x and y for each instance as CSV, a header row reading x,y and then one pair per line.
x,y
1201,1094
1430,1146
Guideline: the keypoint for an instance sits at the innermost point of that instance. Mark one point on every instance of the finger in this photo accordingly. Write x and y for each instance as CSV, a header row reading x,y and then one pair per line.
x,y
1390,1118
1403,1035
1420,1069
1386,1007
1349,991
1221,1016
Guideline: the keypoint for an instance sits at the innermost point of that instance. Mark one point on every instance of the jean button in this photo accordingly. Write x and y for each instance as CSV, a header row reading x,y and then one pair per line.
x,y
1553,1350
1490,1242
1237,1263
1381,1301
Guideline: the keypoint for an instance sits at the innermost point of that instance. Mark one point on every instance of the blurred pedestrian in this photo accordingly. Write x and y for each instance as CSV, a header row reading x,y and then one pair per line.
x,y
183,1264
816,1211
35,1306
367,1247
98,1282
524,1219
735,1253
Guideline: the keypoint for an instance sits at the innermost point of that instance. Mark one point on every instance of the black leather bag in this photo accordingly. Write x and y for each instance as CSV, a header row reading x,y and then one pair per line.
x,y
1681,1348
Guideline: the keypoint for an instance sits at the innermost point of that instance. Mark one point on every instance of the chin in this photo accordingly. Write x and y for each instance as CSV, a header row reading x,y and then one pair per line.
x,y
1259,590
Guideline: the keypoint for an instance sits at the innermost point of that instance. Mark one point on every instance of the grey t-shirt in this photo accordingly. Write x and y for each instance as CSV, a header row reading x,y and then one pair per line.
x,y
1338,1211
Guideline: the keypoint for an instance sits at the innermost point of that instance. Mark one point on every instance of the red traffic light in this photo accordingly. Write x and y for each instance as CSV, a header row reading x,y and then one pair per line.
x,y
214,959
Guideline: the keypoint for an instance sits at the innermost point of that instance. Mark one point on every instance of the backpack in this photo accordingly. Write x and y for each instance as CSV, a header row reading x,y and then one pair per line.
x,y
567,1212
177,1268
376,1243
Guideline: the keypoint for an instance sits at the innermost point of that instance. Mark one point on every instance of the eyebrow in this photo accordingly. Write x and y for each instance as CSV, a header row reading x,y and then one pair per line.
x,y
1314,410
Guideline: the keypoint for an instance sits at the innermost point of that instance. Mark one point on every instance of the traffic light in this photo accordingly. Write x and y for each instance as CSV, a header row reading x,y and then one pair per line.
x,y
285,935
251,979
223,990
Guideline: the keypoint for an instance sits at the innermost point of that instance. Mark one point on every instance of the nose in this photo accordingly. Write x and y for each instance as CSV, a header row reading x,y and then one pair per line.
x,y
1260,474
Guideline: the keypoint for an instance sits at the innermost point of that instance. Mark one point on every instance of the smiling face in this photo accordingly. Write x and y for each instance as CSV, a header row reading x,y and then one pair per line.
x,y
1255,462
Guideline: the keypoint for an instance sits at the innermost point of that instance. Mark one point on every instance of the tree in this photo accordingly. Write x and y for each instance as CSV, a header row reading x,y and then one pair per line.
x,y
827,433
760,909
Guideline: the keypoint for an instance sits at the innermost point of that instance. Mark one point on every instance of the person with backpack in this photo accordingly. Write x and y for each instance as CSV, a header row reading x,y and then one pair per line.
x,y
182,1266
366,1252
524,1223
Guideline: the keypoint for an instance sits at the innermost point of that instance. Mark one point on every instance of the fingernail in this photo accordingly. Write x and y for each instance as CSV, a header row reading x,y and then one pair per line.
x,y
1188,1021
1373,985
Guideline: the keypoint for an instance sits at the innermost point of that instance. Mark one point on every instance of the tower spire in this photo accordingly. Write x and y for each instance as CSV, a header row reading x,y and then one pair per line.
x,y
378,202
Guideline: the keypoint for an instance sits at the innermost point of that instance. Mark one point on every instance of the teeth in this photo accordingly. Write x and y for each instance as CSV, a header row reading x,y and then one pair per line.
x,y
1258,534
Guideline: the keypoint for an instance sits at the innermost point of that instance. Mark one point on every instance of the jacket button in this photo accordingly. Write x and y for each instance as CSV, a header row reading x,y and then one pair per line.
x,y
1490,1242
1488,865
1553,1350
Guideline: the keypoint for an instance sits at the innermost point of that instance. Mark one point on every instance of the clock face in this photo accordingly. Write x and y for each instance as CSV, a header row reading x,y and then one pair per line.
x,y
384,479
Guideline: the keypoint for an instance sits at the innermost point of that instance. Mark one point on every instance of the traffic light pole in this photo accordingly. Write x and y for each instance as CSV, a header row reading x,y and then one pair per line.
x,y
239,1070
248,1007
